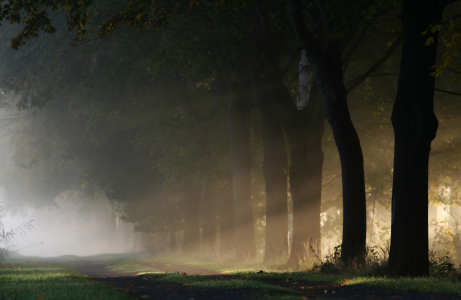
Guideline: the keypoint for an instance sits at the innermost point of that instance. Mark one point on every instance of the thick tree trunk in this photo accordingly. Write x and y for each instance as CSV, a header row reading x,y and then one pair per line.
x,y
224,206
209,224
191,199
327,67
311,111
275,161
415,126
314,114
288,115
227,219
239,136
295,127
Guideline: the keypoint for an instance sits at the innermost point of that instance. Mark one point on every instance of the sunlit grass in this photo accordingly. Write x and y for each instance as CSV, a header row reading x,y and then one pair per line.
x,y
224,267
176,278
130,267
433,285
250,269
242,284
56,281
50,281
207,282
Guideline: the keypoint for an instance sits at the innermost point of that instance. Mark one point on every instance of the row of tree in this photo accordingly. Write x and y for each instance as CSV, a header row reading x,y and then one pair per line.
x,y
142,115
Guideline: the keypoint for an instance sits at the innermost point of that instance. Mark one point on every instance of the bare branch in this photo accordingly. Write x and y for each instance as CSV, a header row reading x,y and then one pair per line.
x,y
351,85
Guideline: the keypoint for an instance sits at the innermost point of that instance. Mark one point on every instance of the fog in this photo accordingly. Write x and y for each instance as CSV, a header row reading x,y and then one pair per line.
x,y
162,142
72,227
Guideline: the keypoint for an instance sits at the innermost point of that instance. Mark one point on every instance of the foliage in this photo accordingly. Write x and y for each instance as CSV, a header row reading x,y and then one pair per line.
x,y
7,237
442,266
375,263
34,15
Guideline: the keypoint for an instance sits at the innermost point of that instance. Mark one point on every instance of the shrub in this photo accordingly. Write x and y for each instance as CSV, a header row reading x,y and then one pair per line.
x,y
7,237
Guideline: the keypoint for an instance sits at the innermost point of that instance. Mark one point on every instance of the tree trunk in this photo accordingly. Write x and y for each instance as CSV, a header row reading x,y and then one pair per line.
x,y
415,126
295,129
288,115
314,114
209,224
275,178
191,198
226,217
326,63
239,137
171,224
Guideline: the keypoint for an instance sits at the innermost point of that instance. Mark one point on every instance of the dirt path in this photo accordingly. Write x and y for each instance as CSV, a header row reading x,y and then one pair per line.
x,y
144,287
95,270
188,269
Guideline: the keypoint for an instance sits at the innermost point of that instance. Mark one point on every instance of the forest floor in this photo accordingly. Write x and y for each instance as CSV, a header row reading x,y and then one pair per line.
x,y
144,278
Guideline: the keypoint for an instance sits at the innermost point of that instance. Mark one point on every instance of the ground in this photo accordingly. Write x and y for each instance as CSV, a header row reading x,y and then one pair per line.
x,y
143,278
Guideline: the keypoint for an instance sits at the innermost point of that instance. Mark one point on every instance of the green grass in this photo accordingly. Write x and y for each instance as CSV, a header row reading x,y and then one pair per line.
x,y
47,281
53,280
242,284
129,267
249,270
206,282
224,267
433,285
175,278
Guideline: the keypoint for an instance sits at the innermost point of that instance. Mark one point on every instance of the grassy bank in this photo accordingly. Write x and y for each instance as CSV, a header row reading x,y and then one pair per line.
x,y
47,281
34,278
250,270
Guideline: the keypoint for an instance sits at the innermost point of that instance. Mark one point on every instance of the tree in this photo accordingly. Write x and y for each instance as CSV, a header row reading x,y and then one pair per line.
x,y
327,66
415,126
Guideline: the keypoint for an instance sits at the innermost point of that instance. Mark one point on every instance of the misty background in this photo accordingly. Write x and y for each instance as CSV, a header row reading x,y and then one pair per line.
x,y
122,144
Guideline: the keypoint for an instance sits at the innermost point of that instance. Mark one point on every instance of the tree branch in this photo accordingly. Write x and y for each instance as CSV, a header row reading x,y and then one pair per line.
x,y
293,58
347,57
448,92
351,85
307,40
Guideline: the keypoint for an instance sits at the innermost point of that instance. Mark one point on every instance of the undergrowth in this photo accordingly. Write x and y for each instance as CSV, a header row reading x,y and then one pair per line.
x,y
376,264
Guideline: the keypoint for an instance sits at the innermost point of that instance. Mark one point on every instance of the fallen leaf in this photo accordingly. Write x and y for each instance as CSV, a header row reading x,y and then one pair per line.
x,y
301,287
39,297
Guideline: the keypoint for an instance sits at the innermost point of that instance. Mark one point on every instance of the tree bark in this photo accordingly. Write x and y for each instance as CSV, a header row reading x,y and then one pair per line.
x,y
295,126
227,219
172,224
314,114
191,198
209,224
275,178
239,135
415,126
326,63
